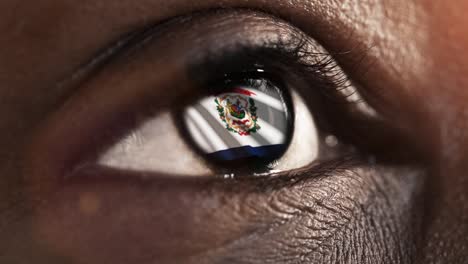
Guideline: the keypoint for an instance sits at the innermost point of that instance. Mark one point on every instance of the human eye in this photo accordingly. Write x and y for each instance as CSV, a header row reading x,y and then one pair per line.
x,y
226,102
247,124
224,127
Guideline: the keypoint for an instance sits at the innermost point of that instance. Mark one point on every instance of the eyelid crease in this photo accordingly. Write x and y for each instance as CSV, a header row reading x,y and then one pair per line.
x,y
98,61
123,45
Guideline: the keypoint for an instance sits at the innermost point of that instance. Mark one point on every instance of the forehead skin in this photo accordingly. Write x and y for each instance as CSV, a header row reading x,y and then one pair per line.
x,y
418,77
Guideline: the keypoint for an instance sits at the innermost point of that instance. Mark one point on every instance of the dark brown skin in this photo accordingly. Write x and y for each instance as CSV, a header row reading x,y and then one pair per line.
x,y
353,213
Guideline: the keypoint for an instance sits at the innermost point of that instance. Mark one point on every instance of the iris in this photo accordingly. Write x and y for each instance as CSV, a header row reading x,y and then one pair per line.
x,y
249,122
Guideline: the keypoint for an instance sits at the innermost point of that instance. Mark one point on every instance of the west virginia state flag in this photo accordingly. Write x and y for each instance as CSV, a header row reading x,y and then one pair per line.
x,y
241,123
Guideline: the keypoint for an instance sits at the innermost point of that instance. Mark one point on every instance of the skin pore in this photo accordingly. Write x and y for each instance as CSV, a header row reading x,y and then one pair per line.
x,y
410,66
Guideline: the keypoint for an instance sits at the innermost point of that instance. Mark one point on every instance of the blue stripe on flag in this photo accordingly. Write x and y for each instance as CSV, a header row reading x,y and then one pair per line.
x,y
264,152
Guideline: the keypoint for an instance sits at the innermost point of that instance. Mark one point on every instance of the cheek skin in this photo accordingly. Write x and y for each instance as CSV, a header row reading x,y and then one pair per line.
x,y
319,218
337,229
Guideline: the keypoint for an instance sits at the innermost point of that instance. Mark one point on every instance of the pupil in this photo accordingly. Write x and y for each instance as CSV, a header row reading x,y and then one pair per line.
x,y
246,126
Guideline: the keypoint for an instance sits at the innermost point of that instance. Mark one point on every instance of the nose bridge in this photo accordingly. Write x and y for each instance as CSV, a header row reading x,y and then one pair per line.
x,y
452,163
446,99
446,200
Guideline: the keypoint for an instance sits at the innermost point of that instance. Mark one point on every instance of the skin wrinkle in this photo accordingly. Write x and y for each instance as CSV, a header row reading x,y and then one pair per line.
x,y
308,246
379,256
298,211
362,209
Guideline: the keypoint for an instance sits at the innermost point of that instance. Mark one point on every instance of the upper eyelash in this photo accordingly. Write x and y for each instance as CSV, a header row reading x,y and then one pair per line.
x,y
326,66
341,83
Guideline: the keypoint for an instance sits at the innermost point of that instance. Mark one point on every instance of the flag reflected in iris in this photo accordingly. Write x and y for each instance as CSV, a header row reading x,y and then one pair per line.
x,y
243,124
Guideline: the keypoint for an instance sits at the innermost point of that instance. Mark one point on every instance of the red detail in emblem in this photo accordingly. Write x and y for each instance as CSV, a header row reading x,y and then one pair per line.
x,y
243,122
243,91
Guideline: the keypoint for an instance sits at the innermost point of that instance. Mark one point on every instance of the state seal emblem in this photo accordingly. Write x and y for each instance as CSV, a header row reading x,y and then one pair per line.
x,y
238,112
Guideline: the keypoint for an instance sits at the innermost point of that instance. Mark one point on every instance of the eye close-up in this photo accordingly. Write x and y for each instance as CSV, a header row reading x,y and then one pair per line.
x,y
232,131
264,104
247,126
197,109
